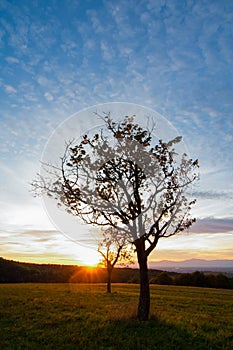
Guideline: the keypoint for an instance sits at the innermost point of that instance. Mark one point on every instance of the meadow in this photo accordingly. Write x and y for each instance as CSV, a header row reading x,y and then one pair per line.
x,y
84,316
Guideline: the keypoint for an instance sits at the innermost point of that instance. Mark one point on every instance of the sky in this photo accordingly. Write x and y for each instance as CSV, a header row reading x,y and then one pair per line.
x,y
59,57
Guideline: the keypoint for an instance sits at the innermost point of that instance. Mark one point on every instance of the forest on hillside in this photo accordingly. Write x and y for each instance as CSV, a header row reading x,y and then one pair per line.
x,y
18,272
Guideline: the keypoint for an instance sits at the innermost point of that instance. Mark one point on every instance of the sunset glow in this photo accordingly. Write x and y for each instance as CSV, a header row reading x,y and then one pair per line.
x,y
173,57
89,258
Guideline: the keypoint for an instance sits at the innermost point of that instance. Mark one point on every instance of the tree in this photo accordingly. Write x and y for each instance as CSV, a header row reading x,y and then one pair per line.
x,y
162,277
120,178
113,251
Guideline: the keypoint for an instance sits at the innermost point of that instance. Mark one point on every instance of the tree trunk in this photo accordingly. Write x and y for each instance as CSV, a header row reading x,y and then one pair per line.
x,y
109,279
144,297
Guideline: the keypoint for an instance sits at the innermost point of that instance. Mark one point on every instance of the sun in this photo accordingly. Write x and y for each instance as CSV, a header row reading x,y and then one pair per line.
x,y
89,257
93,262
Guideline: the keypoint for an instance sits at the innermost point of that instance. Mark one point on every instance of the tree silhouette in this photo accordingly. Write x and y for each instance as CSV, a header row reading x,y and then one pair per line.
x,y
162,277
119,178
113,251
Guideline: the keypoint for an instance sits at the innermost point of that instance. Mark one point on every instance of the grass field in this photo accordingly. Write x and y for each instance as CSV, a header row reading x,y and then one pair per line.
x,y
74,316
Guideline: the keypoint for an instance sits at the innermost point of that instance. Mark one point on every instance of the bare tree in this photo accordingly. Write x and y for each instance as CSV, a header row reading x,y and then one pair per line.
x,y
119,178
114,250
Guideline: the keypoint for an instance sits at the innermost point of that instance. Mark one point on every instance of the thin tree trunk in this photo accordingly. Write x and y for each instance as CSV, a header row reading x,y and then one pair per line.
x,y
109,279
144,297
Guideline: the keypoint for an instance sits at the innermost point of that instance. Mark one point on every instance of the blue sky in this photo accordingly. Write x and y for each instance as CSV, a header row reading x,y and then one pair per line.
x,y
58,57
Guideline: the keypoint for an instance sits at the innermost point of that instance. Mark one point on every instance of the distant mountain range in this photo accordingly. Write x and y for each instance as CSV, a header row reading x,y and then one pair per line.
x,y
193,265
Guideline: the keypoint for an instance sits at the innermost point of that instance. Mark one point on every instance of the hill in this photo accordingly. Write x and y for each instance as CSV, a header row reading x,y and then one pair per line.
x,y
18,272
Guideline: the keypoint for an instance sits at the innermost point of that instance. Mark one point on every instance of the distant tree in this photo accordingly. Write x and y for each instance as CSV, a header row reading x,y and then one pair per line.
x,y
162,277
198,279
114,250
222,281
183,279
120,178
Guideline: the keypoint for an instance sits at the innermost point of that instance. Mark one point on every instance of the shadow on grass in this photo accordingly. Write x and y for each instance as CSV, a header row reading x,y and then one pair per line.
x,y
111,334
154,334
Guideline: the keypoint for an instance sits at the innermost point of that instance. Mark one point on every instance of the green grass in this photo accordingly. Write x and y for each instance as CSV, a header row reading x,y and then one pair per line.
x,y
74,316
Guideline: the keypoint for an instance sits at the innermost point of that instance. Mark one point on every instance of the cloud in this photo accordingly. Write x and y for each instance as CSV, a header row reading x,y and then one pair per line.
x,y
47,246
49,234
213,195
97,26
13,235
10,89
49,97
179,254
10,59
187,245
213,225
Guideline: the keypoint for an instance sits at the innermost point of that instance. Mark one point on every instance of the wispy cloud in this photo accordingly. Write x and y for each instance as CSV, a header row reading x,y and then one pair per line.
x,y
10,89
213,225
48,96
43,246
213,195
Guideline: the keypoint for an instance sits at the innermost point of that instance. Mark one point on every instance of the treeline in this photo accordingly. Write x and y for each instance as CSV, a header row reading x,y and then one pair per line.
x,y
17,272
195,279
